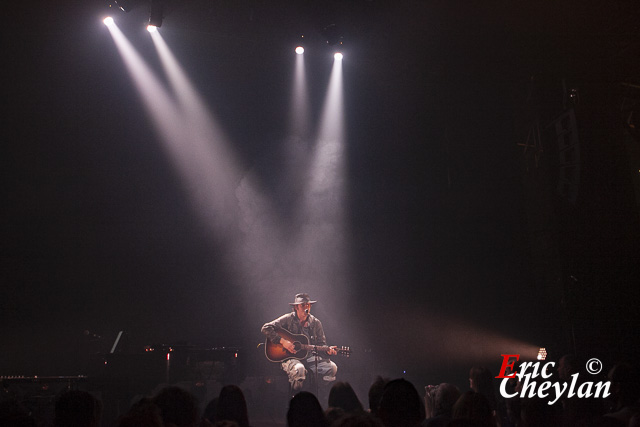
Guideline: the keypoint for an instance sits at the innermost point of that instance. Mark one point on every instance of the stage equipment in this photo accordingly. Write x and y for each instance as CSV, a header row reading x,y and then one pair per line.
x,y
542,354
127,5
156,13
169,363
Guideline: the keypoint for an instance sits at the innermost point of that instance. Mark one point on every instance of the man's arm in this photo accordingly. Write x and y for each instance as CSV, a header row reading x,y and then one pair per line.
x,y
269,329
321,339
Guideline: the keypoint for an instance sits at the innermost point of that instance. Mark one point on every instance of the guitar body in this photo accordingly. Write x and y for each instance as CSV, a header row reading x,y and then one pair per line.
x,y
277,353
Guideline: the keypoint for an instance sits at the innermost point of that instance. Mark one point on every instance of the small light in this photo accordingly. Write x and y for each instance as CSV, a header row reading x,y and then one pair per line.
x,y
299,50
542,353
152,28
108,21
338,56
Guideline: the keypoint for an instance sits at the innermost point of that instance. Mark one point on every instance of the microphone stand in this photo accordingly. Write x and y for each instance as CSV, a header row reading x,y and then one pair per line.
x,y
315,353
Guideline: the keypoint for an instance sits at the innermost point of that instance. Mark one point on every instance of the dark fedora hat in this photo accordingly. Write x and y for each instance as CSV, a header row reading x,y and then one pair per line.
x,y
302,299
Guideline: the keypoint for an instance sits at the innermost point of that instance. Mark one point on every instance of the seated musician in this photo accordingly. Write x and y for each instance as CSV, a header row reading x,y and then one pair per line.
x,y
301,322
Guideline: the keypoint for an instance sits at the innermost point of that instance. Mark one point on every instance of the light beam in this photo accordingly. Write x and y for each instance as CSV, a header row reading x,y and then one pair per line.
x,y
227,197
322,246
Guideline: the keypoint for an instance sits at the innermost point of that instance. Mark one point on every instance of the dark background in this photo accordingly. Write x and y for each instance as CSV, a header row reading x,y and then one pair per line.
x,y
457,237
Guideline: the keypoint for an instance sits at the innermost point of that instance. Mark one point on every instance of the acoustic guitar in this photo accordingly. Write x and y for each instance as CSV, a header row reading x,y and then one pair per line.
x,y
277,352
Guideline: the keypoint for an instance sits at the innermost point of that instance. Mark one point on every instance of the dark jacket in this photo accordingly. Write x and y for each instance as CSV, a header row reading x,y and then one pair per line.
x,y
290,322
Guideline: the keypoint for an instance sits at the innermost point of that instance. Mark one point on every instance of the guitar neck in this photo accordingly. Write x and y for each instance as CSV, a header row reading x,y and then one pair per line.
x,y
315,347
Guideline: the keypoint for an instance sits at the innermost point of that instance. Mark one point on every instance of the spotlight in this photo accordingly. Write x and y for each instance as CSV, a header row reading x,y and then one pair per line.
x,y
152,28
299,50
542,353
108,21
338,56
156,13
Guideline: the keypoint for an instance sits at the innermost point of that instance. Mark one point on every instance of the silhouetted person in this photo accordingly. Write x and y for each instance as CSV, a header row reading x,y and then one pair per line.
x,y
361,419
572,408
624,392
401,405
333,414
481,380
576,410
305,411
342,396
444,397
301,322
232,406
76,408
144,413
536,412
177,406
472,409
567,366
375,394
209,413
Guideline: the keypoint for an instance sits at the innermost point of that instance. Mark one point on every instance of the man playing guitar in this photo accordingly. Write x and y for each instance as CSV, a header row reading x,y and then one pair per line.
x,y
301,322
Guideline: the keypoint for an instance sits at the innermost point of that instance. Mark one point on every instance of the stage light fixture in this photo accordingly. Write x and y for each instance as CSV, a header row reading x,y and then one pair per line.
x,y
299,50
156,13
108,21
338,56
152,28
542,353
126,5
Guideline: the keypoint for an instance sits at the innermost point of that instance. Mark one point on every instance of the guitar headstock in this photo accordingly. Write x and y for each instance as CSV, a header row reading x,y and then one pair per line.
x,y
343,351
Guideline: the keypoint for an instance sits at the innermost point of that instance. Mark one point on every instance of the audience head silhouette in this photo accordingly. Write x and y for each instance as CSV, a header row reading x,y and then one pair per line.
x,y
342,396
305,411
232,406
401,405
177,406
75,408
375,394
474,407
144,413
